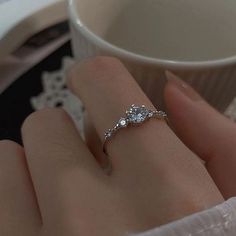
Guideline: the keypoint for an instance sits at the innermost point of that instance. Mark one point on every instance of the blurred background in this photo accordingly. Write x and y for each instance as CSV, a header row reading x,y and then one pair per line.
x,y
35,53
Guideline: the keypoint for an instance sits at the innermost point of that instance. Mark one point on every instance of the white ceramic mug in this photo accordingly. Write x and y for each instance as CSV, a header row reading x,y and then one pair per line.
x,y
194,39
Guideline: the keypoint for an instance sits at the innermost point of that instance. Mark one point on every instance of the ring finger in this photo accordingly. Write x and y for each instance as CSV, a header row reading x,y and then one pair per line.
x,y
107,90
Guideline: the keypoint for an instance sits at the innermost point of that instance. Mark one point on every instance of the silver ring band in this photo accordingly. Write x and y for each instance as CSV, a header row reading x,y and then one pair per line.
x,y
135,115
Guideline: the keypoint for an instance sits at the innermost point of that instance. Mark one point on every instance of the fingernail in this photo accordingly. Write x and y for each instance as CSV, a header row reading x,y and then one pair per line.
x,y
183,86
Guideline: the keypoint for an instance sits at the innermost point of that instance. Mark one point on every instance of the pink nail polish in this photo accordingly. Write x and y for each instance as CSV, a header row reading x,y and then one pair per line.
x,y
183,86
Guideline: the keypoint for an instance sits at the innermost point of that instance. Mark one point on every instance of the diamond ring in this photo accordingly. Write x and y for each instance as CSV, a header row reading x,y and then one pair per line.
x,y
135,115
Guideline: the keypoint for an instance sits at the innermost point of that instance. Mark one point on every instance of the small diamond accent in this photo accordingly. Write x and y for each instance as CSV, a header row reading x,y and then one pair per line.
x,y
150,114
108,134
123,122
161,114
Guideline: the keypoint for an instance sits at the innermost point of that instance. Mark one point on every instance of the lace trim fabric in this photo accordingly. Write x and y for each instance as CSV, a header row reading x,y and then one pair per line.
x,y
217,221
56,94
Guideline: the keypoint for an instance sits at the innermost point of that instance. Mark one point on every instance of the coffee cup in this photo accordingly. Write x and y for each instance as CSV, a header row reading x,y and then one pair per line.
x,y
194,39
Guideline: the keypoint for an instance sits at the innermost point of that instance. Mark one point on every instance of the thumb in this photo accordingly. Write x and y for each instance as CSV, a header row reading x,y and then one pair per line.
x,y
205,131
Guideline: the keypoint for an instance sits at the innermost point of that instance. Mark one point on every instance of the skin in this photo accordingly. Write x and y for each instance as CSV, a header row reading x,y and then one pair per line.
x,y
55,185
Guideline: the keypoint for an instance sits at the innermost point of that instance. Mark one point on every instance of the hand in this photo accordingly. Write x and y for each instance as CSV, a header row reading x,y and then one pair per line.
x,y
54,186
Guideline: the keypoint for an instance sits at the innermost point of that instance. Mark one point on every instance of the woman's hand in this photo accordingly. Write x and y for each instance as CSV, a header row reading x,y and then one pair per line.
x,y
54,186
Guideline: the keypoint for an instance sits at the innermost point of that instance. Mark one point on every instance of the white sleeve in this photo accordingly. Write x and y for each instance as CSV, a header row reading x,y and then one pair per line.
x,y
217,221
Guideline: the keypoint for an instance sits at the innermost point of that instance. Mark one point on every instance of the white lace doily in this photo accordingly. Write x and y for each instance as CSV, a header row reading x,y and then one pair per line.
x,y
56,94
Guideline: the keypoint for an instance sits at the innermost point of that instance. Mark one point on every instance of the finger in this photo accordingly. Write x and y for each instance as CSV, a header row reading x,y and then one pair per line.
x,y
19,213
95,145
60,163
108,90
205,131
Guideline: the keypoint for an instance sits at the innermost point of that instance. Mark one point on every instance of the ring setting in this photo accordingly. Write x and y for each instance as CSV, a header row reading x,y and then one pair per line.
x,y
135,115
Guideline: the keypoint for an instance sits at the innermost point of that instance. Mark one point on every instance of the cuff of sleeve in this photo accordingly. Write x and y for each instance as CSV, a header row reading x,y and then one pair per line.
x,y
217,221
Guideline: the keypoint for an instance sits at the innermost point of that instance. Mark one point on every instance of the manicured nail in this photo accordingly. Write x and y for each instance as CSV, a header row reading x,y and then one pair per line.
x,y
183,86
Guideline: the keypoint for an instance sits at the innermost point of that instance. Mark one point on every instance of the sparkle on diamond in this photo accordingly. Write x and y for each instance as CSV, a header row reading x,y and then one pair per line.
x,y
123,122
138,114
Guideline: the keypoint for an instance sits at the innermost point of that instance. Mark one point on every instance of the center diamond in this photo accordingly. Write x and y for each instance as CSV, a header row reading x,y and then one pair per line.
x,y
137,114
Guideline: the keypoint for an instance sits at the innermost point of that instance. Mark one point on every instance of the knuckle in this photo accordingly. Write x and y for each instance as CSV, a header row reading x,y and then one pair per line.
x,y
100,63
104,67
97,67
8,145
41,117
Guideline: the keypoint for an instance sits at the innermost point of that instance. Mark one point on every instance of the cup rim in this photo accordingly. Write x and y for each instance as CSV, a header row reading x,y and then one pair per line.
x,y
128,55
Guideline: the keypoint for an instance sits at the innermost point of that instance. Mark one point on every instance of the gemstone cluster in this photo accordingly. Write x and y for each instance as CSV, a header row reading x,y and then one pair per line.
x,y
135,115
